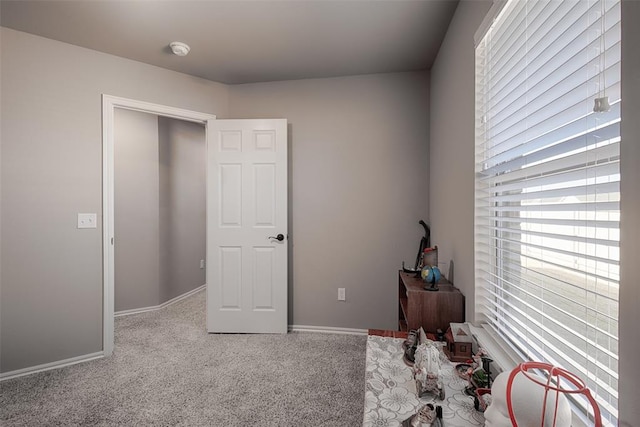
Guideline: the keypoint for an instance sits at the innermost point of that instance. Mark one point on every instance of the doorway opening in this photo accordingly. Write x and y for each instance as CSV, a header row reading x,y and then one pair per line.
x,y
166,119
160,210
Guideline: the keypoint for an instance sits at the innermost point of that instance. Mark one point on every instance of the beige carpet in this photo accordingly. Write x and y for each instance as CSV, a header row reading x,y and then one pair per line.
x,y
167,371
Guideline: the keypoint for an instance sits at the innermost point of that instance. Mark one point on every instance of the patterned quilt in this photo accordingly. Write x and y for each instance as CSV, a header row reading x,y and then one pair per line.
x,y
391,397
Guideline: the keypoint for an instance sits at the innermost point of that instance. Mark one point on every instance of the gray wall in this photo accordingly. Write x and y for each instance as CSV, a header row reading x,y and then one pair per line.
x,y
451,163
452,148
182,206
136,208
630,219
51,132
358,176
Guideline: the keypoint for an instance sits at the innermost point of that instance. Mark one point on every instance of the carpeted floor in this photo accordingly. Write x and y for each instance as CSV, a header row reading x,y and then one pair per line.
x,y
167,371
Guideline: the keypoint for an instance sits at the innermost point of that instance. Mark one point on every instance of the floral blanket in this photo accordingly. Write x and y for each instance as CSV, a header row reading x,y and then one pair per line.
x,y
390,394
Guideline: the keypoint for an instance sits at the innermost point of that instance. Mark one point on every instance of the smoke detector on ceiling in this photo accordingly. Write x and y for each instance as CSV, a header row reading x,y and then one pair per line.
x,y
179,48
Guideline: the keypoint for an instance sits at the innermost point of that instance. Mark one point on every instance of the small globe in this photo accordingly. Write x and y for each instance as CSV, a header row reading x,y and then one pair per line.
x,y
430,274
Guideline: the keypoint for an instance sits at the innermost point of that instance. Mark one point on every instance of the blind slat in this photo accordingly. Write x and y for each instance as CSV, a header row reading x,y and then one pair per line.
x,y
583,141
562,207
584,174
593,224
557,236
578,190
568,130
556,251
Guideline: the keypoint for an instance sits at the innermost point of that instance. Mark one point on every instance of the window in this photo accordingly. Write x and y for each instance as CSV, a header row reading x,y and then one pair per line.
x,y
547,186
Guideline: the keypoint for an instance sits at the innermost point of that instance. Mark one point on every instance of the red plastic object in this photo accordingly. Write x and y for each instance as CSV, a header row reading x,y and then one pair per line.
x,y
553,371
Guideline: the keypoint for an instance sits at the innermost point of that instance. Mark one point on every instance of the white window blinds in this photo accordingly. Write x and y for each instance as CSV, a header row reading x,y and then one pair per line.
x,y
547,186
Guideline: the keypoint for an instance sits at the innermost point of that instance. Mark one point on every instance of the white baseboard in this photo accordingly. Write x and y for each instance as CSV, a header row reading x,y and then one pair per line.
x,y
136,311
327,330
163,305
51,365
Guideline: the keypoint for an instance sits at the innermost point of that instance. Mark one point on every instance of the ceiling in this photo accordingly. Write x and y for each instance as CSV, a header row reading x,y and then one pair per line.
x,y
248,41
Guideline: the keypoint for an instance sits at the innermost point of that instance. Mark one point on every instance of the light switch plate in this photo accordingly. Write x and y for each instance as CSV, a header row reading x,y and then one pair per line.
x,y
87,220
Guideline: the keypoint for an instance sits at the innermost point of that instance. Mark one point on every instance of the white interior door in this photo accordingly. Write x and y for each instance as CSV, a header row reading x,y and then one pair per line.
x,y
246,212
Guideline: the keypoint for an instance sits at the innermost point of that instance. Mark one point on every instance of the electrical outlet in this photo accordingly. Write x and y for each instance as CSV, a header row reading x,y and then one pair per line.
x,y
341,295
87,220
201,263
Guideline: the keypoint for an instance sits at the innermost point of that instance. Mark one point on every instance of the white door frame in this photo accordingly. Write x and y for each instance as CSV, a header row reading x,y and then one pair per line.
x,y
109,104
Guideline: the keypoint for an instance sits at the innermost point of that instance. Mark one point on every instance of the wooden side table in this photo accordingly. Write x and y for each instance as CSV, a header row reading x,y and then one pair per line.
x,y
432,310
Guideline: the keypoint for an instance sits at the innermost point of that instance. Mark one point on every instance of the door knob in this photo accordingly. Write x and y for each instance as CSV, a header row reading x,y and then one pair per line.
x,y
279,237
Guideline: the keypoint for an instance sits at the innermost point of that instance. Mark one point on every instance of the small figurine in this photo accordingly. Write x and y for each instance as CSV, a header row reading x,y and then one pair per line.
x,y
428,383
479,373
425,417
427,370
